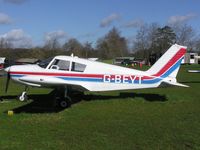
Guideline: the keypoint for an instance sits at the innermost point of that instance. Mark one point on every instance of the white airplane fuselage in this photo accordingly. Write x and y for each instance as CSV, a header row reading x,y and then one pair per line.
x,y
97,76
118,78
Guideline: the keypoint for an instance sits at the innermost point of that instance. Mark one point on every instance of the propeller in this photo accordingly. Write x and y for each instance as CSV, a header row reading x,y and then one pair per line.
x,y
8,78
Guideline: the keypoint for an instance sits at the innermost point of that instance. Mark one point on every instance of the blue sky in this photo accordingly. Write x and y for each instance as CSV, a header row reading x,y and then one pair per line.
x,y
32,22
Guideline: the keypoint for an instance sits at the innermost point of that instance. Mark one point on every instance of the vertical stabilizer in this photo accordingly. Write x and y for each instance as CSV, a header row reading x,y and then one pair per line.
x,y
169,63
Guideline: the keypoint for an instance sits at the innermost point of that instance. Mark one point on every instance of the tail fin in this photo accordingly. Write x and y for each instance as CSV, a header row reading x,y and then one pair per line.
x,y
169,64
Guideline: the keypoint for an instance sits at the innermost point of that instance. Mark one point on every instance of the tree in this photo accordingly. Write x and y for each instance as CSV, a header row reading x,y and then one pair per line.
x,y
152,40
165,37
145,40
4,43
73,46
197,45
103,49
52,44
112,45
141,39
87,49
185,35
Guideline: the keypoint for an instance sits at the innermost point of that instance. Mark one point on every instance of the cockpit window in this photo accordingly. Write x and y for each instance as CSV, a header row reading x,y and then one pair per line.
x,y
77,67
44,63
60,65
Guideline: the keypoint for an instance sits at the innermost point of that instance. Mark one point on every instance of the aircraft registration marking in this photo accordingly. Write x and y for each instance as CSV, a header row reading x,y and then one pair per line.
x,y
126,79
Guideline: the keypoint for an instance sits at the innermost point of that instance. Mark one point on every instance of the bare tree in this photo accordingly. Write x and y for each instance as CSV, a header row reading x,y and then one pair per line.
x,y
87,49
185,35
140,42
152,40
197,45
4,43
73,46
145,37
52,44
145,40
112,45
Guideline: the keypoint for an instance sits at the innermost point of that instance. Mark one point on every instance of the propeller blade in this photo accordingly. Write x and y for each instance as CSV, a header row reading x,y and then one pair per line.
x,y
7,81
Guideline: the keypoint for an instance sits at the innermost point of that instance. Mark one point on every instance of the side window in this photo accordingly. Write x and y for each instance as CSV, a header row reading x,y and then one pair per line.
x,y
60,65
63,65
77,67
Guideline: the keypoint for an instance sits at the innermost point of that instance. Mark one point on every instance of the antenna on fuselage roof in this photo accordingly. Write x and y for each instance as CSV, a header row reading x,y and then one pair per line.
x,y
72,55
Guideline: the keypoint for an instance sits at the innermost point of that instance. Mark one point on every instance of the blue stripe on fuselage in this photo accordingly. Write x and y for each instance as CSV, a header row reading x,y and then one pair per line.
x,y
166,74
16,75
173,68
81,79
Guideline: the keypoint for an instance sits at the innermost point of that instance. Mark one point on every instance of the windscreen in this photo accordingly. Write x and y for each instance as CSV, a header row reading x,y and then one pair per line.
x,y
44,63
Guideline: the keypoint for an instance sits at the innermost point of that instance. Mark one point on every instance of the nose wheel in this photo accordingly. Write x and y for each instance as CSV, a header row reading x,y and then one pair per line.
x,y
23,97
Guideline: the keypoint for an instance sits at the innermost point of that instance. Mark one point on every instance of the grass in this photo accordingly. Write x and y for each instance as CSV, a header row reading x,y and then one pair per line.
x,y
164,118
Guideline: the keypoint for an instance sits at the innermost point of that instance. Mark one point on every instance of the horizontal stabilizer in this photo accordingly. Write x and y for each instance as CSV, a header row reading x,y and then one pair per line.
x,y
166,83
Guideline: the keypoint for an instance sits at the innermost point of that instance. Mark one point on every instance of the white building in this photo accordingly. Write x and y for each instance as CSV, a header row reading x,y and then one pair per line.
x,y
190,58
2,61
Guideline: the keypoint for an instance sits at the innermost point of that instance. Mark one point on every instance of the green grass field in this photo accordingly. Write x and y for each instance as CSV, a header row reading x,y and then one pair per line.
x,y
163,118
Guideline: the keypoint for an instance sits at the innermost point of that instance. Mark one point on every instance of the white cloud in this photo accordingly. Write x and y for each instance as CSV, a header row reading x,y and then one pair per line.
x,y
109,20
17,38
55,35
181,19
133,24
15,1
5,19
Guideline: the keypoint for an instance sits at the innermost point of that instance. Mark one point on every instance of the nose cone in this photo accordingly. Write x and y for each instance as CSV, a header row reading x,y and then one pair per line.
x,y
7,69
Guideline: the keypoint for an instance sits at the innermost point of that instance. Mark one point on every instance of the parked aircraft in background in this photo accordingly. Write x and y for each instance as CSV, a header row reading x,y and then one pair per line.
x,y
72,73
194,71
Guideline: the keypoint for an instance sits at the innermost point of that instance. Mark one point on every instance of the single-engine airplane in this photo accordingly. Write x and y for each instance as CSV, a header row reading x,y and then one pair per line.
x,y
69,72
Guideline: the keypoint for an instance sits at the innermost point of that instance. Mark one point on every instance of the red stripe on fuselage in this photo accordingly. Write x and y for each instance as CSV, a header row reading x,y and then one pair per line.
x,y
57,74
129,77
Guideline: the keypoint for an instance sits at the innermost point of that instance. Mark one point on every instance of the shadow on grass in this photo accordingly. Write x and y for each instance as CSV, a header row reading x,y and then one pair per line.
x,y
37,103
44,103
123,95
190,82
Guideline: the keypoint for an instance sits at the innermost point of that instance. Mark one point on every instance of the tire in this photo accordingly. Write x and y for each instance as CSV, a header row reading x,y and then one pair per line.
x,y
65,103
23,97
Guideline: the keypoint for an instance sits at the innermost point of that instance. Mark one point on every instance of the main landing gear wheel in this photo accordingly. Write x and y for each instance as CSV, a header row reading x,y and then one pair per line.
x,y
23,97
65,103
62,99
